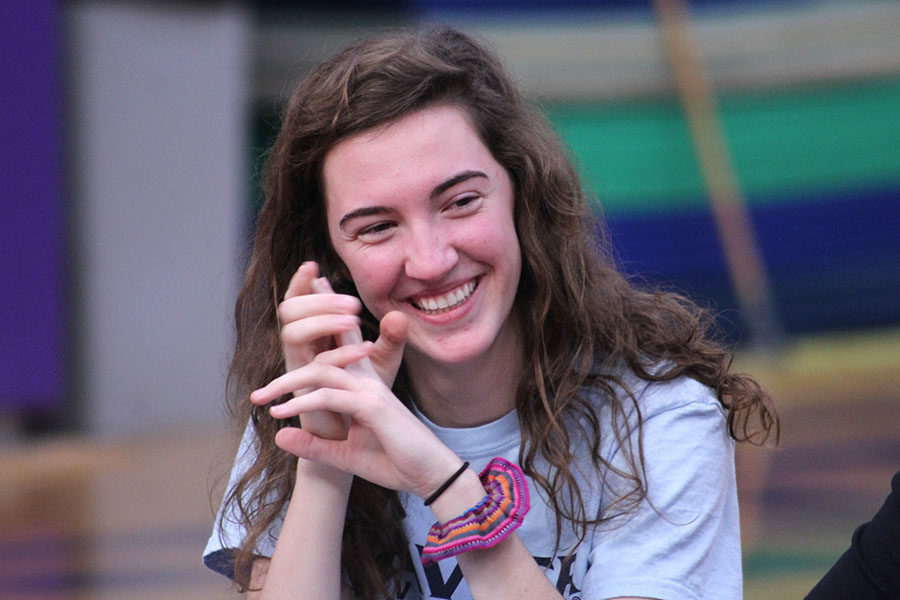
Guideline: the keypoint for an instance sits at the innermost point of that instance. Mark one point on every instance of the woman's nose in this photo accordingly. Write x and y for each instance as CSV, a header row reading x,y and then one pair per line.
x,y
429,256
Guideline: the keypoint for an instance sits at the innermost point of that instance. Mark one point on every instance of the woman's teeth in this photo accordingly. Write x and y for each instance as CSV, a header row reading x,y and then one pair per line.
x,y
451,299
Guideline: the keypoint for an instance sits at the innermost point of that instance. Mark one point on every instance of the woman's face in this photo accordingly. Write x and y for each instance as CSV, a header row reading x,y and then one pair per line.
x,y
421,214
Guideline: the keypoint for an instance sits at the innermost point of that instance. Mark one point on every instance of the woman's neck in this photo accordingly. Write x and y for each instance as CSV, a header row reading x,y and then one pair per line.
x,y
472,393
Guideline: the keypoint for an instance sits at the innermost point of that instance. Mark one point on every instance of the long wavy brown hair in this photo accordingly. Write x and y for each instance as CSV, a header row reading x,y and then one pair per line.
x,y
582,320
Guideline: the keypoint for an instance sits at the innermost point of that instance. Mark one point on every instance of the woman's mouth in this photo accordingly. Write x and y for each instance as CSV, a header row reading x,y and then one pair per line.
x,y
437,304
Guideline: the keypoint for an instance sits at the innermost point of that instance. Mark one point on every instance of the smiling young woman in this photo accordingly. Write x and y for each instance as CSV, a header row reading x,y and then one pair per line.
x,y
421,215
520,422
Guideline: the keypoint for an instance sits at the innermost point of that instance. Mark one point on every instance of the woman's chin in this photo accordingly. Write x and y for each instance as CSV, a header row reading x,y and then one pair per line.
x,y
446,354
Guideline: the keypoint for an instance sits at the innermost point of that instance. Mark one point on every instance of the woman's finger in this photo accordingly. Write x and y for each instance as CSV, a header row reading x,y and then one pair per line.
x,y
343,356
303,340
311,329
308,305
300,281
333,400
329,373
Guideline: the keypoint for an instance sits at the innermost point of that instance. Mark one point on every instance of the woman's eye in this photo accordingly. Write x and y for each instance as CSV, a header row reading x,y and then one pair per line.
x,y
464,202
374,231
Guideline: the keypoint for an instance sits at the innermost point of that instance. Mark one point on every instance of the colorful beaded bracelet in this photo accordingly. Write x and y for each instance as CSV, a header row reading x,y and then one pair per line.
x,y
490,521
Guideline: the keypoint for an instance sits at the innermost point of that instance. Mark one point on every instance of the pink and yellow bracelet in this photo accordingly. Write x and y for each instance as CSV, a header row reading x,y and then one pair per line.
x,y
487,523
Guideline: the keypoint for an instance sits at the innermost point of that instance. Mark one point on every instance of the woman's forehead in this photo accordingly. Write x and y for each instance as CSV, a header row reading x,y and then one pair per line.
x,y
422,148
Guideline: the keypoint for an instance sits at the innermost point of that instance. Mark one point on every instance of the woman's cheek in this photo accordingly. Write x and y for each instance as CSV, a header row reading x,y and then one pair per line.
x,y
375,273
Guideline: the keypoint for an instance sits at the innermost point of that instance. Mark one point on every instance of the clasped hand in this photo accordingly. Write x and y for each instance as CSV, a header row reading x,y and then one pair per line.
x,y
351,420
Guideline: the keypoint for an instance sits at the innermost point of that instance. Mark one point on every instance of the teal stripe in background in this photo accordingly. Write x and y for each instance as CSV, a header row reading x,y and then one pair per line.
x,y
637,156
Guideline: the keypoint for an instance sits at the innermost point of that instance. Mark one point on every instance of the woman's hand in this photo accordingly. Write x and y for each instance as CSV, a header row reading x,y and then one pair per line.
x,y
341,387
315,320
385,443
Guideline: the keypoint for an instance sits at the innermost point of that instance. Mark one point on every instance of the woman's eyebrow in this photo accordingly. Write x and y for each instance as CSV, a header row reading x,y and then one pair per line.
x,y
458,178
365,211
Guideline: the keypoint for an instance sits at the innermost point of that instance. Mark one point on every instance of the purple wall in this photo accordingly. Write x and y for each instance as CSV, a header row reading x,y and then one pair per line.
x,y
31,208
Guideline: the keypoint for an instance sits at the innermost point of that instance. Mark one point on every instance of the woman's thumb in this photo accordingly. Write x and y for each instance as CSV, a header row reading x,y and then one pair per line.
x,y
387,354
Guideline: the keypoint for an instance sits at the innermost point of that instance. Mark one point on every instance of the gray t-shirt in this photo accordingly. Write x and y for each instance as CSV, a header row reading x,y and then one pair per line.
x,y
683,542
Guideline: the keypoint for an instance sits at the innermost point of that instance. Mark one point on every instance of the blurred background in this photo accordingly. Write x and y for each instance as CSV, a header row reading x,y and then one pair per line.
x,y
744,152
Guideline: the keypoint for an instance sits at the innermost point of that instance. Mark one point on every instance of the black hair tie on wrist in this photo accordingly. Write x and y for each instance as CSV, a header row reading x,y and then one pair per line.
x,y
446,484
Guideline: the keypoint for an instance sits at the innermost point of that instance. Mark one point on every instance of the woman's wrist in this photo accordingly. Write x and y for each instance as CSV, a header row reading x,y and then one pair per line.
x,y
500,509
311,473
464,493
443,487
